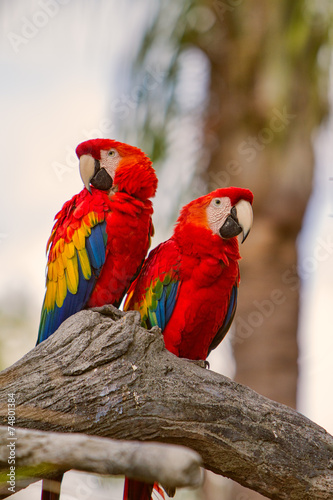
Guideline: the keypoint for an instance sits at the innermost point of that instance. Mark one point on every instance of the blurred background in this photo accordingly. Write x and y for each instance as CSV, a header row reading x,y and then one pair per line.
x,y
217,93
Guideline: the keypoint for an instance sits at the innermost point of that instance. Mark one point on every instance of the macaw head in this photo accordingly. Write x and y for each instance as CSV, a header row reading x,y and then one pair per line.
x,y
218,218
107,164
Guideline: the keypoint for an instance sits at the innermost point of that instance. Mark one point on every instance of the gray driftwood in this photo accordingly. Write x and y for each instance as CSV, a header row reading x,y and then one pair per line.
x,y
44,454
103,375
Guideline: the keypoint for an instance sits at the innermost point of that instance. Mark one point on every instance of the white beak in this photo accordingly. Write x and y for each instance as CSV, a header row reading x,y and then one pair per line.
x,y
244,216
87,170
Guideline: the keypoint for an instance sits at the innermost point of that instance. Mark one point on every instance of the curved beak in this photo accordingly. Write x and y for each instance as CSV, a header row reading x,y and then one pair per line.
x,y
245,217
238,221
87,170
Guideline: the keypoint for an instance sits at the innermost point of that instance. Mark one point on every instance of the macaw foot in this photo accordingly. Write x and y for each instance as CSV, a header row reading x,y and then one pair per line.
x,y
203,363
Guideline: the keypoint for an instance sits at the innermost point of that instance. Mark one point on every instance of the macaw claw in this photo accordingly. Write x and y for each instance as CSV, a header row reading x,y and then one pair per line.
x,y
203,363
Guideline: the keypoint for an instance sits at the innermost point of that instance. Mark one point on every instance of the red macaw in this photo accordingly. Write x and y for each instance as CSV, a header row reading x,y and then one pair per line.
x,y
100,237
188,285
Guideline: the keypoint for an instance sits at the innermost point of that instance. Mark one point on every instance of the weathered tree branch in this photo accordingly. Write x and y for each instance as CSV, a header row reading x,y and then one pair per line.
x,y
47,454
104,375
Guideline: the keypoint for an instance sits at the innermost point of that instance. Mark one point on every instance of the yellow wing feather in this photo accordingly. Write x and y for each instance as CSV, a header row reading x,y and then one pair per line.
x,y
79,239
61,290
69,250
62,272
72,274
50,295
84,262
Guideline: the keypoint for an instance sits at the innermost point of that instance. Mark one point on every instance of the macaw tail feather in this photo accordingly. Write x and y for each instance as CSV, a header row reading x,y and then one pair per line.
x,y
51,488
137,490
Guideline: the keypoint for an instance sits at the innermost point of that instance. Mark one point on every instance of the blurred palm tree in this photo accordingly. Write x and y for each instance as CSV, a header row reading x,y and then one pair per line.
x,y
249,81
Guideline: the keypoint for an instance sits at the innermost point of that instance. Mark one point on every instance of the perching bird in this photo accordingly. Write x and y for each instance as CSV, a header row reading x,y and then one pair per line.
x,y
100,237
188,285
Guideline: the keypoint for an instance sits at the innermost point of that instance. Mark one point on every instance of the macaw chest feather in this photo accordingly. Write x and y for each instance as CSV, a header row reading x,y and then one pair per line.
x,y
201,308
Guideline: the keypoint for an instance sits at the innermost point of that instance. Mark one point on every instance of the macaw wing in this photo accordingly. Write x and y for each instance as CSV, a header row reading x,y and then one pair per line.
x,y
154,292
228,318
77,249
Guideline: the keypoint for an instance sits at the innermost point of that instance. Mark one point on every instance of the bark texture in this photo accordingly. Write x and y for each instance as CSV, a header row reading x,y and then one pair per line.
x,y
47,454
104,375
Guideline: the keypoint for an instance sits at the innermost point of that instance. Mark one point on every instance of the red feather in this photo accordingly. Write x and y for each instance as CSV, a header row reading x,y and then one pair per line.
x,y
114,224
207,272
129,228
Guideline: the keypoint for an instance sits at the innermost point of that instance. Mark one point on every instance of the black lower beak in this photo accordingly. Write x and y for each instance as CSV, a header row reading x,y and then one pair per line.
x,y
231,226
101,180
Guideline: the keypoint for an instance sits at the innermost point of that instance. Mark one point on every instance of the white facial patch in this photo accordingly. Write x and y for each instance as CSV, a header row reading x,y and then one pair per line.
x,y
110,160
217,212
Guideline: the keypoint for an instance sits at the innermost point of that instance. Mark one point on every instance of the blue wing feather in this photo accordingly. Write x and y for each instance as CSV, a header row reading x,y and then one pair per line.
x,y
171,301
227,320
154,292
96,249
95,245
160,316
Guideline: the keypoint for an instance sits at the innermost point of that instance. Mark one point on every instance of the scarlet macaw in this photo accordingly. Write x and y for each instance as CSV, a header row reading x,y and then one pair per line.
x,y
188,285
100,237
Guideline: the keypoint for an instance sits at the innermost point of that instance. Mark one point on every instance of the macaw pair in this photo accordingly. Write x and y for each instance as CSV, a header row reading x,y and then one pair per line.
x,y
187,286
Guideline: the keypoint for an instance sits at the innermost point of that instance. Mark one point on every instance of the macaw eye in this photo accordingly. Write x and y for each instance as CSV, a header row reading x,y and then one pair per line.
x,y
217,202
111,152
